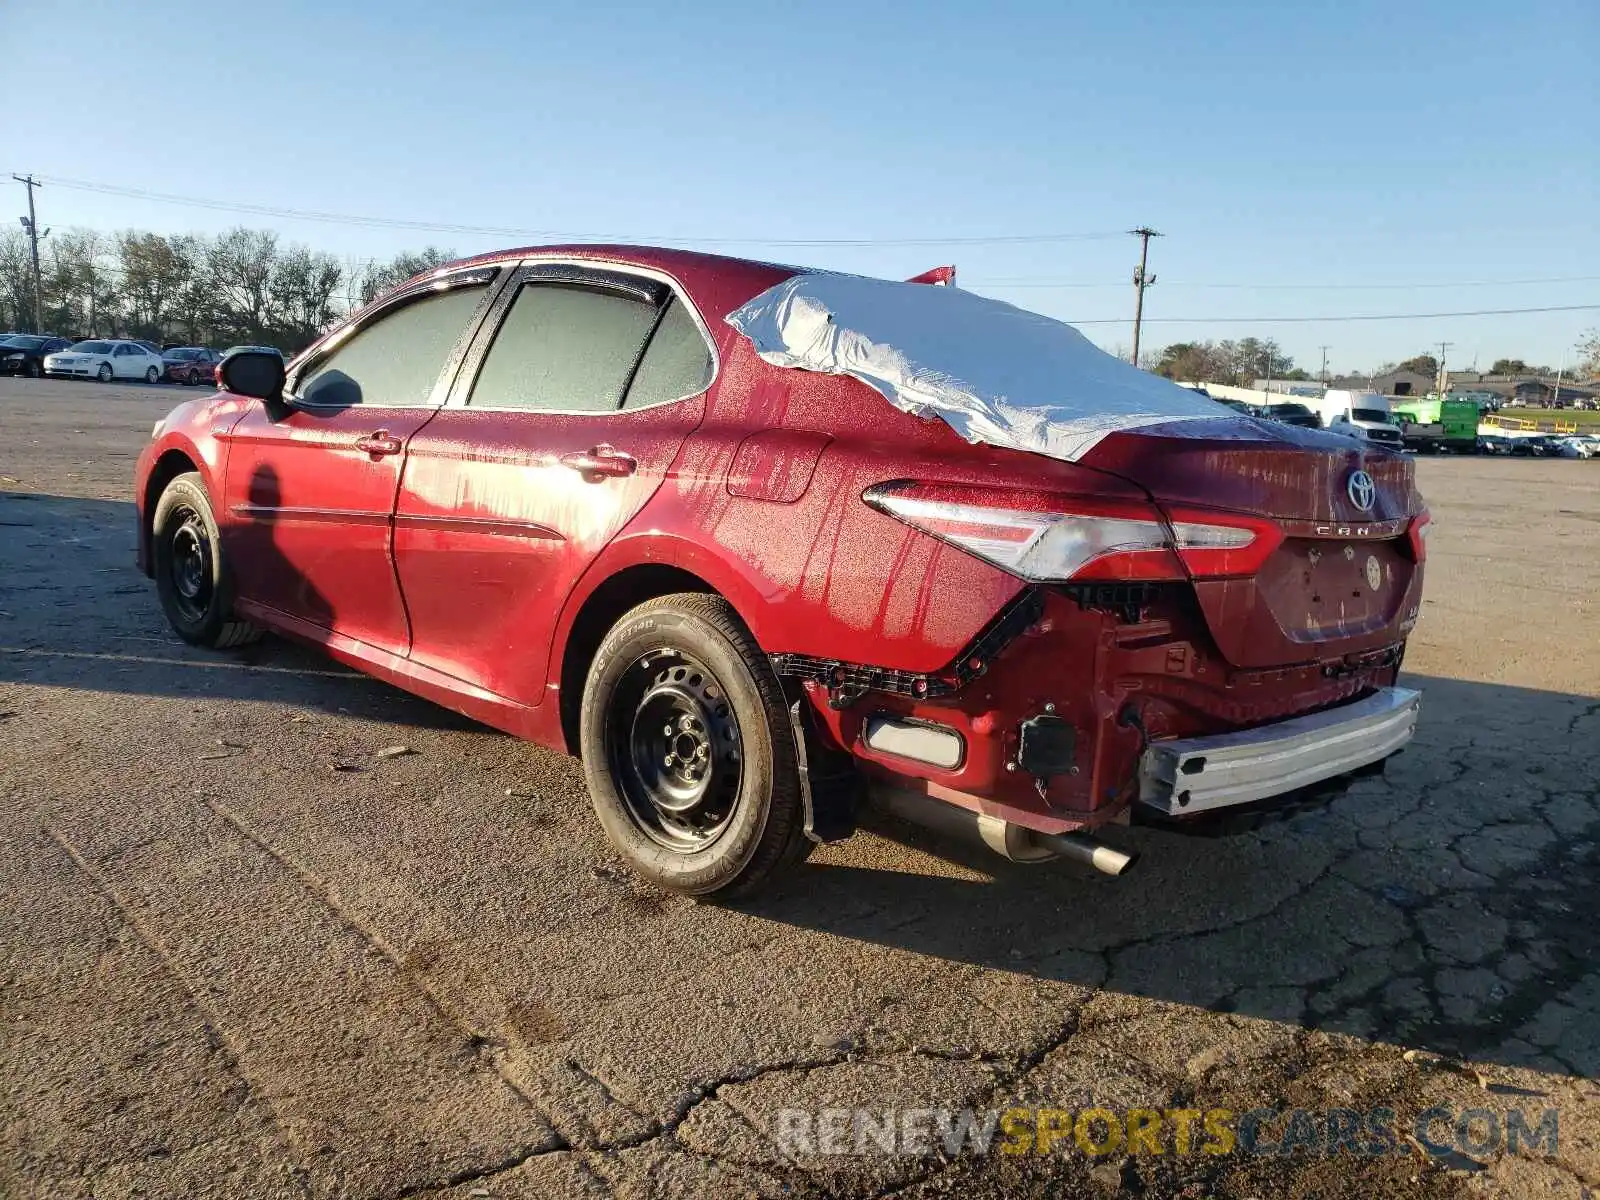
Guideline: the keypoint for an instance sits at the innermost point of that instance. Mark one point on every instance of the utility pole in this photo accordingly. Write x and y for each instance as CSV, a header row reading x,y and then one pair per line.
x,y
1141,280
1323,374
1442,382
31,224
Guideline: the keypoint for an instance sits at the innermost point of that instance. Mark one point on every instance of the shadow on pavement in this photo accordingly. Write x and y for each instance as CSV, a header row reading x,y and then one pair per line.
x,y
75,612
1448,904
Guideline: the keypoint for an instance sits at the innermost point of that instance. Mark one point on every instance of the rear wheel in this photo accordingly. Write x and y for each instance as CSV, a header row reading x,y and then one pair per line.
x,y
192,573
104,373
688,752
194,377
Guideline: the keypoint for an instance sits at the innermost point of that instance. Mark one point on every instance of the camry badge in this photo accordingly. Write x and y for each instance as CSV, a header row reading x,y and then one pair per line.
x,y
1362,490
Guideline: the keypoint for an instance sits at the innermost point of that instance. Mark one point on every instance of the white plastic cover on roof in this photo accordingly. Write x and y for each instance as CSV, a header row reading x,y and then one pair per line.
x,y
993,372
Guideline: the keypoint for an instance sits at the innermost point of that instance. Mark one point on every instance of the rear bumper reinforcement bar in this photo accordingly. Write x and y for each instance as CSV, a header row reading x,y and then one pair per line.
x,y
1191,775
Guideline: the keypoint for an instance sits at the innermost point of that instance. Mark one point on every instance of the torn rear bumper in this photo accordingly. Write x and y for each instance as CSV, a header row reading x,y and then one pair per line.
x,y
1194,775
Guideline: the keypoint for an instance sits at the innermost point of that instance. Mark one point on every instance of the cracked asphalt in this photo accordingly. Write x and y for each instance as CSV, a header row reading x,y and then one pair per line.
x,y
244,954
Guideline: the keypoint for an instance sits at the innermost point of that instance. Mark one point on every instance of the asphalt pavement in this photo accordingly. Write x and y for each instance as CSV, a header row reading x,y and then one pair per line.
x,y
245,952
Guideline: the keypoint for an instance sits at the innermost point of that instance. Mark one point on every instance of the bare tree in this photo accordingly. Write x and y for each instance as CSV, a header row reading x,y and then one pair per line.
x,y
239,265
154,274
303,286
16,281
80,285
380,277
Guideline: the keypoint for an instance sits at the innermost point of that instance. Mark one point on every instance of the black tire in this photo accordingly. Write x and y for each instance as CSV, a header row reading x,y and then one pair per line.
x,y
192,575
104,373
152,376
35,370
193,379
748,823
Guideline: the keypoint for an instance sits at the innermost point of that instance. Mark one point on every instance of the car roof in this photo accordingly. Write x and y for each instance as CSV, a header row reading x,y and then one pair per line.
x,y
681,265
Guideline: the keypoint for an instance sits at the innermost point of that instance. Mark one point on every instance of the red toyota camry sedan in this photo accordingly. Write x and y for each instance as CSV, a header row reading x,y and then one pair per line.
x,y
761,544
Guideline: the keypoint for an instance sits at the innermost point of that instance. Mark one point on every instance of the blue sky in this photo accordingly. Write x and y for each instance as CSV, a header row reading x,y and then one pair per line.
x,y
1319,159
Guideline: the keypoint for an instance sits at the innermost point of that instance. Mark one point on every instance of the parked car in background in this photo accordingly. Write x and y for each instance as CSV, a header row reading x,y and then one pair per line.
x,y
1290,414
1578,446
190,364
1492,443
24,353
106,359
579,493
1536,445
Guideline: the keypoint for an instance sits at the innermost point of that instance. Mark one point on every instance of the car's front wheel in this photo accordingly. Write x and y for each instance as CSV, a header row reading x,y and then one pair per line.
x,y
688,751
104,373
194,378
151,375
193,576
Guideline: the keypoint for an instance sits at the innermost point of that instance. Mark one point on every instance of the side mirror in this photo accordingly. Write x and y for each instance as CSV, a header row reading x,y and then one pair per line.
x,y
251,373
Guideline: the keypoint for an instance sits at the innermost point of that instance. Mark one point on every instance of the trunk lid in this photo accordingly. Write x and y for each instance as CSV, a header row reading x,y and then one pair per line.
x,y
1343,584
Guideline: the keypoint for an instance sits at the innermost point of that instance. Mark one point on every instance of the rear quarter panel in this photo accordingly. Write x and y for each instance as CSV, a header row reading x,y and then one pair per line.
x,y
810,566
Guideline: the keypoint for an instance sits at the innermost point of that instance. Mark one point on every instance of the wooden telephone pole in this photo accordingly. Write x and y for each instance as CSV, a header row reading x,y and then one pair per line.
x,y
31,224
1141,280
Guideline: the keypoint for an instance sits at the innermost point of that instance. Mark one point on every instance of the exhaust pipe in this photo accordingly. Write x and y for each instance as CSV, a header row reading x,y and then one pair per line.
x,y
1090,851
1005,838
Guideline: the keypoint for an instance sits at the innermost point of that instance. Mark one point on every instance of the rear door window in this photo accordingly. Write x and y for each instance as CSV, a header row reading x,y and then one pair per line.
x,y
395,361
677,362
564,348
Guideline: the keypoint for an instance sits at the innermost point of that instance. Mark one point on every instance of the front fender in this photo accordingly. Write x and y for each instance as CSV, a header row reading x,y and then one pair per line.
x,y
193,436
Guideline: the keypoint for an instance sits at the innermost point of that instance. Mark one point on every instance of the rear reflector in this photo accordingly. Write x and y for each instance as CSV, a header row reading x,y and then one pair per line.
x,y
935,745
1044,537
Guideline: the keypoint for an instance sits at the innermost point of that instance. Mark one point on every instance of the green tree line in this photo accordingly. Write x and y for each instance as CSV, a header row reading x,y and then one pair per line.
x,y
1238,364
245,285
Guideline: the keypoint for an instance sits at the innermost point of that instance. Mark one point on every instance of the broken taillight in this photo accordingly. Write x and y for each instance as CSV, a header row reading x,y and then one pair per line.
x,y
1417,535
1045,537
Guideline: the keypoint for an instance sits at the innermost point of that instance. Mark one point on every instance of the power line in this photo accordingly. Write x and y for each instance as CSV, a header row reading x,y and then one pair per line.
x,y
1481,312
268,210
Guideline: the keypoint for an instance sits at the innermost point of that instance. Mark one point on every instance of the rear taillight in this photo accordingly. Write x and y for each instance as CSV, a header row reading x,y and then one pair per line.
x,y
1417,535
1044,537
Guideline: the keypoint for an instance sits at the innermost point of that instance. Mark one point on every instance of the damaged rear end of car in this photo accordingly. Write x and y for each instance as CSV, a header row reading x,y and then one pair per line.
x,y
1204,611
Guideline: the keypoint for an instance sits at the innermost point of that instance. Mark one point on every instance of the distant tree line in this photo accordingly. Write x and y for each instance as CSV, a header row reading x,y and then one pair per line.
x,y
1237,364
241,286
1241,363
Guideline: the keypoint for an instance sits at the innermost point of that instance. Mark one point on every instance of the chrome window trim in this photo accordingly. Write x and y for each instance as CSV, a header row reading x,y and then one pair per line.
x,y
459,396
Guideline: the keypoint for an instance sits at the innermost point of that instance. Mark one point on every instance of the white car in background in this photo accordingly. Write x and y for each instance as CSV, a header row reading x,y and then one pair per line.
x,y
106,359
1580,446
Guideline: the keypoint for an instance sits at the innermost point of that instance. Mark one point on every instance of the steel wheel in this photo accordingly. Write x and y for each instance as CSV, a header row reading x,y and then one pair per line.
x,y
675,750
190,566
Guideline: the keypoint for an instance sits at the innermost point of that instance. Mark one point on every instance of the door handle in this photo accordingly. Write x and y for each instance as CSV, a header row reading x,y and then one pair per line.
x,y
600,462
379,443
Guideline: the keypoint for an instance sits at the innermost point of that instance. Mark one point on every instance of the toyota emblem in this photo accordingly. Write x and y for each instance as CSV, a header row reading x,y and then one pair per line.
x,y
1362,490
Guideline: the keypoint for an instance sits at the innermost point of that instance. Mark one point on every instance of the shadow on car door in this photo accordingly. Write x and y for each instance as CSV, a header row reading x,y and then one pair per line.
x,y
311,488
576,398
